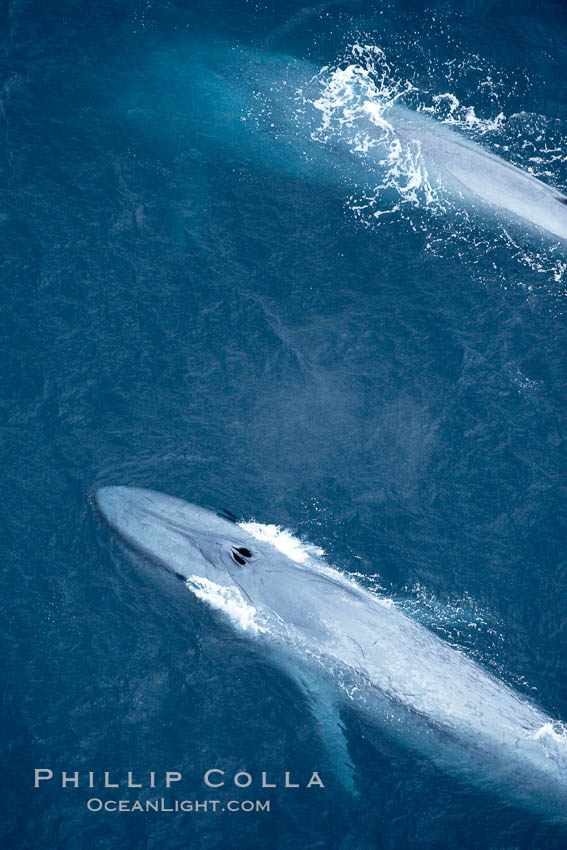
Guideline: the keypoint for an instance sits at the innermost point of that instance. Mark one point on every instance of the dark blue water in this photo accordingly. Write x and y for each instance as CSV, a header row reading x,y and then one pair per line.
x,y
193,301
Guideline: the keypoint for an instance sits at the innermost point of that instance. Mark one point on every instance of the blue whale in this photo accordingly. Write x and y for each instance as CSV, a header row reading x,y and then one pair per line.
x,y
345,645
264,107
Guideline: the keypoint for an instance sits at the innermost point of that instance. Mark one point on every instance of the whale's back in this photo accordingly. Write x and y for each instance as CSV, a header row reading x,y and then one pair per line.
x,y
467,168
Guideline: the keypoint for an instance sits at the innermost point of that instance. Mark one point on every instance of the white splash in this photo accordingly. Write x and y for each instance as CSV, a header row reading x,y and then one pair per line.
x,y
228,600
553,738
354,104
284,541
447,108
552,731
355,98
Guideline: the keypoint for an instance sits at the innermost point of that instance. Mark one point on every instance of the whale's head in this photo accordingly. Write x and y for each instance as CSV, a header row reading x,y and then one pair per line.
x,y
186,539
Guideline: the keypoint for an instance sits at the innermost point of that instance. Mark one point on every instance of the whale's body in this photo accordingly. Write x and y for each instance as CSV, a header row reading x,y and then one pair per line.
x,y
465,167
328,631
282,113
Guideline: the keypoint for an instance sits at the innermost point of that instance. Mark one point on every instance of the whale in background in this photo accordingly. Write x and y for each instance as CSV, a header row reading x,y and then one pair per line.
x,y
467,169
344,644
265,107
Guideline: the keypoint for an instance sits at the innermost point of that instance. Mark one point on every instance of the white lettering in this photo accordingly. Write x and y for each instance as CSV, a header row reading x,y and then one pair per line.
x,y
247,779
41,775
265,783
315,780
208,780
289,784
66,779
107,782
131,783
172,776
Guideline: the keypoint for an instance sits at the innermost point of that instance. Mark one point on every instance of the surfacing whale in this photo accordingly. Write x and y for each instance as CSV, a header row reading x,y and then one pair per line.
x,y
266,107
341,643
464,167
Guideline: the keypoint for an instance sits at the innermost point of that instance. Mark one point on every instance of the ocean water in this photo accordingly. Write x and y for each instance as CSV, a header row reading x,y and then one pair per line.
x,y
210,287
